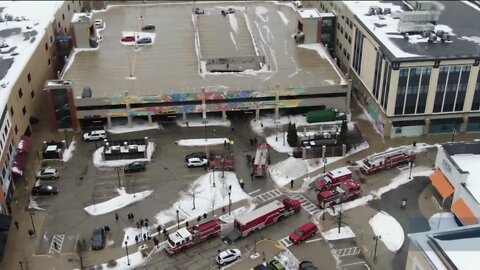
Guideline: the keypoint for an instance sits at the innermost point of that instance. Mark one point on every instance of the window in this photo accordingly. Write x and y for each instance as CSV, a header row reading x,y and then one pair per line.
x,y
24,110
32,94
46,46
49,62
20,93
16,130
11,111
29,77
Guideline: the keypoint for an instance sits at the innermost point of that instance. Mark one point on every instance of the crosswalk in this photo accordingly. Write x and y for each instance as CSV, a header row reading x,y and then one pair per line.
x,y
269,195
57,242
346,251
285,242
310,207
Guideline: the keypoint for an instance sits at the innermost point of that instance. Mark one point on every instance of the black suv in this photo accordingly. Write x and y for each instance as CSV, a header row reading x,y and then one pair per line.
x,y
136,166
40,189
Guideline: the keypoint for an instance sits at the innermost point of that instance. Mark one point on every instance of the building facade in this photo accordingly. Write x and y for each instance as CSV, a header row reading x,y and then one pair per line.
x,y
410,84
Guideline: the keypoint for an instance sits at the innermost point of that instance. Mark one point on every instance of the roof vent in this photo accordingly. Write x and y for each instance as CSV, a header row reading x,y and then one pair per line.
x,y
387,11
432,38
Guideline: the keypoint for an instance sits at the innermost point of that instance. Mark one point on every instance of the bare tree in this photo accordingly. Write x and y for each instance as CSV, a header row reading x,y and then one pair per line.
x,y
193,192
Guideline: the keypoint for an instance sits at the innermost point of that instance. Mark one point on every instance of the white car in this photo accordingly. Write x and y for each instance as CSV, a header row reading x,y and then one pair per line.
x,y
228,256
197,162
47,173
95,135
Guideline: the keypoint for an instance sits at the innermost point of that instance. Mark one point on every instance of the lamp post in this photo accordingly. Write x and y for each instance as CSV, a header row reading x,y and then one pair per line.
x,y
276,131
33,225
453,135
229,199
410,174
21,265
324,164
126,248
376,237
213,175
118,176
178,220
205,131
283,135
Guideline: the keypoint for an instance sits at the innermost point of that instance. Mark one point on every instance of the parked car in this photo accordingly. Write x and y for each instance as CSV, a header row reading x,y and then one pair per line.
x,y
201,155
197,162
304,232
199,11
95,135
228,11
128,39
276,265
40,189
47,173
307,265
148,27
144,40
136,166
98,238
228,256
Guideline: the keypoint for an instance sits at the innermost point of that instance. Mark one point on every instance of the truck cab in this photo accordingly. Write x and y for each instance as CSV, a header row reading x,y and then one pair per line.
x,y
346,191
333,178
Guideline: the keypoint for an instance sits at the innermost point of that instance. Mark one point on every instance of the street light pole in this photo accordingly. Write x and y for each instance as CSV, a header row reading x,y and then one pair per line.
x,y
21,265
324,164
33,225
376,237
213,169
229,200
276,131
118,176
126,248
410,174
178,220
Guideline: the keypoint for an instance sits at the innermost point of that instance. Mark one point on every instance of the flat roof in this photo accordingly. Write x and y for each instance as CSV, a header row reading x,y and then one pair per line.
x,y
470,162
22,34
170,65
307,13
459,19
340,172
244,219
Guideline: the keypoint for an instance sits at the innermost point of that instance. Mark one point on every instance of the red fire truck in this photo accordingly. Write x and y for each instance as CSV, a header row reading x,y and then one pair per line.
x,y
386,160
346,191
222,161
333,178
187,237
260,164
263,217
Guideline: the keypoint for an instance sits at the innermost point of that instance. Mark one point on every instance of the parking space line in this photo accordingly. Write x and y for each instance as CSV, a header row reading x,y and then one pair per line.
x,y
57,242
346,251
355,263
314,240
310,207
255,191
269,195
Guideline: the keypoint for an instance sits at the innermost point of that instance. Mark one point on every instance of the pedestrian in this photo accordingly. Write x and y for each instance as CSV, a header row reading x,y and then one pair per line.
x,y
224,144
55,245
16,224
251,176
251,142
204,215
223,210
242,183
136,239
165,233
116,216
133,218
146,220
144,237
107,229
129,217
141,222
253,161
146,224
159,228
138,225
155,241
255,140
291,183
186,224
199,218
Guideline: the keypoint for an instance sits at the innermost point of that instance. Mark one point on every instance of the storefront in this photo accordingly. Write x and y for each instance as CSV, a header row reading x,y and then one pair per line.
x,y
410,128
445,126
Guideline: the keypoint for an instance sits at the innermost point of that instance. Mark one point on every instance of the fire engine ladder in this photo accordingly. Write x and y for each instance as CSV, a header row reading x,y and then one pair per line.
x,y
386,155
261,157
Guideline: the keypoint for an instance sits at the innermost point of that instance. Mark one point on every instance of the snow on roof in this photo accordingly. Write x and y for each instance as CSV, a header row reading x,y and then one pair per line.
x,y
469,162
339,172
82,17
180,235
462,252
22,35
308,13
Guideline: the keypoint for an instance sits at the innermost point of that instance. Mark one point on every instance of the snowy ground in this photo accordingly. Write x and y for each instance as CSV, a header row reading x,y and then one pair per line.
x,y
388,229
123,199
345,232
136,126
199,122
202,142
68,153
442,221
99,162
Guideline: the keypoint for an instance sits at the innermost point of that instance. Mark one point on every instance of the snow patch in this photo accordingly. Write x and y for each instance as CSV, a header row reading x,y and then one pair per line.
x,y
279,143
345,232
123,199
475,39
136,126
199,122
260,12
233,22
322,52
388,229
299,120
68,153
202,142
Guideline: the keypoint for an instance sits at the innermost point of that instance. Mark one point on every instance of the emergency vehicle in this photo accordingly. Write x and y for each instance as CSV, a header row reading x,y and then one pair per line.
x,y
386,160
333,178
260,164
346,191
187,237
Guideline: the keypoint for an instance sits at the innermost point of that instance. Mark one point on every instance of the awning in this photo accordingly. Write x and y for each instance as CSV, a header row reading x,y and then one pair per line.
x,y
446,121
461,210
408,123
441,184
24,144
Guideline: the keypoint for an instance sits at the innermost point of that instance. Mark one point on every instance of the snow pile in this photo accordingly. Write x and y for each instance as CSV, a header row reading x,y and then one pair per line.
x,y
441,221
358,148
131,232
202,142
199,122
207,197
32,204
291,168
99,162
137,126
322,52
260,12
283,17
287,259
345,232
123,199
279,143
68,153
388,229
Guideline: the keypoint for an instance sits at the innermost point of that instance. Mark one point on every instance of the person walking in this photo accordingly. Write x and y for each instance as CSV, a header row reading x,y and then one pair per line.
x,y
205,215
16,224
116,216
136,239
291,183
242,183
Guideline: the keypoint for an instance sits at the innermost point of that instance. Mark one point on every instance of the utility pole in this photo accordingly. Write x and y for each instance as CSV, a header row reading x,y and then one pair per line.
x,y
229,200
178,220
126,248
376,237
33,225
410,174
339,220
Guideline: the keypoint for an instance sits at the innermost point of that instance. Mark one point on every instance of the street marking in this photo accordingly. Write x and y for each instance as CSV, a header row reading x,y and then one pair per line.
x,y
269,195
356,263
314,240
57,240
346,251
285,242
310,207
436,203
403,167
255,191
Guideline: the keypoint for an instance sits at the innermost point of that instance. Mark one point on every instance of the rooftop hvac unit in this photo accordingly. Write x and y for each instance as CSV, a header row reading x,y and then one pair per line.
x,y
419,16
420,5
387,11
432,38
411,27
